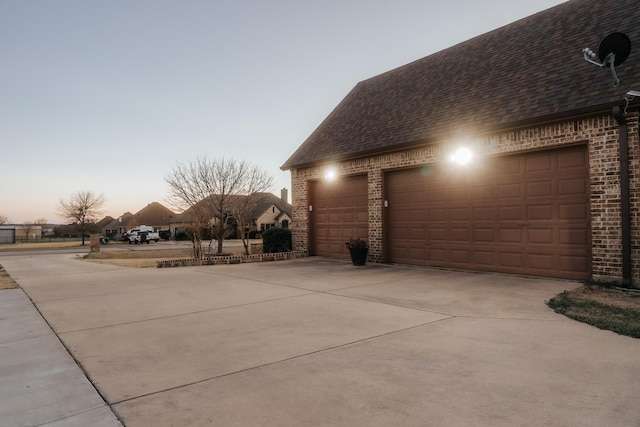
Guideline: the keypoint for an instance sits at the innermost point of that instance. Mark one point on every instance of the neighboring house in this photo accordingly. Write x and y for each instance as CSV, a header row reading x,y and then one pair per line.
x,y
101,225
116,228
154,215
272,211
268,210
546,192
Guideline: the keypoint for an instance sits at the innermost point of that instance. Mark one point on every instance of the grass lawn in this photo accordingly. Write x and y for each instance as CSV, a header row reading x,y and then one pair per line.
x,y
29,246
604,307
145,259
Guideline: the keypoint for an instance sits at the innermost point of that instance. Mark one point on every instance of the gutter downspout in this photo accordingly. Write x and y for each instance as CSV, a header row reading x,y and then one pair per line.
x,y
625,210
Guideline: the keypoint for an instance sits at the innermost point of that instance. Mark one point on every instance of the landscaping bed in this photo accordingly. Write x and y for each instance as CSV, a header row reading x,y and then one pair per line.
x,y
604,307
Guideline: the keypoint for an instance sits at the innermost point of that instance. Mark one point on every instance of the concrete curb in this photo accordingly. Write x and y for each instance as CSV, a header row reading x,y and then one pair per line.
x,y
231,259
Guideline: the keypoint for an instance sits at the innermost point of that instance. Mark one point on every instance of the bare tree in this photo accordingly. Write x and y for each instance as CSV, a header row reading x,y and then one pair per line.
x,y
3,219
210,190
82,208
27,227
256,182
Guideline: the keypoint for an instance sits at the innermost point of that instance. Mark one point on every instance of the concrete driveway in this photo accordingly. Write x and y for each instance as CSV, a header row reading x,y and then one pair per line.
x,y
321,342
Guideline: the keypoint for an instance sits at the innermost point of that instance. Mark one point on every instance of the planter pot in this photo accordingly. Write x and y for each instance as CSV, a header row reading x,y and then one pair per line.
x,y
358,255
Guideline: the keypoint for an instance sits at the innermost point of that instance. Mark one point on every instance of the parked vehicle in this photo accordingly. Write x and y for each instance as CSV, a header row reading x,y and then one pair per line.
x,y
165,235
141,234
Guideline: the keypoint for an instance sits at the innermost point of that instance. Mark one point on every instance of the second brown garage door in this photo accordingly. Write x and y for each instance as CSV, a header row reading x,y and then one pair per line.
x,y
525,214
339,210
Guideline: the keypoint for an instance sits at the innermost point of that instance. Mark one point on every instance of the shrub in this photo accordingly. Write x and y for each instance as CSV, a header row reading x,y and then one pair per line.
x,y
355,243
181,235
276,239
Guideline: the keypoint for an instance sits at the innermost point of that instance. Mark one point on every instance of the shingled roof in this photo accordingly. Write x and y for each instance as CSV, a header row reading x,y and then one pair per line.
x,y
530,71
153,214
261,202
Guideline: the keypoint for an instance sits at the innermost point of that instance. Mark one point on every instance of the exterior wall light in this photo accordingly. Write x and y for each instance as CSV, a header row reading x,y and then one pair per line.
x,y
330,174
462,156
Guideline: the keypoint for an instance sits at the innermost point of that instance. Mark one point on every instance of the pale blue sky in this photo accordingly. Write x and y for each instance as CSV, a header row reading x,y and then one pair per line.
x,y
108,95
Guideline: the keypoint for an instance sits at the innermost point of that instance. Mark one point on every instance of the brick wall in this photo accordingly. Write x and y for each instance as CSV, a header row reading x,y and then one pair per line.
x,y
599,132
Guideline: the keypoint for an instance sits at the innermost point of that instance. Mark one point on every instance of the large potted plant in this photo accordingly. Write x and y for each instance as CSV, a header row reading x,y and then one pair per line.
x,y
358,249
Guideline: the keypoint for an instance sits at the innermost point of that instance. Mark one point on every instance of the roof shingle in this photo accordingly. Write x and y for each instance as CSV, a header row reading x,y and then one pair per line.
x,y
529,71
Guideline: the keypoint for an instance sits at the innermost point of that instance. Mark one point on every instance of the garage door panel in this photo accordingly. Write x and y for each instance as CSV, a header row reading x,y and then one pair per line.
x,y
459,235
510,166
483,235
510,213
434,196
437,255
540,212
460,256
573,211
483,213
438,234
569,236
459,214
511,259
540,235
520,214
540,189
573,264
484,258
506,191
568,187
538,163
483,192
361,217
540,261
510,235
439,214
418,253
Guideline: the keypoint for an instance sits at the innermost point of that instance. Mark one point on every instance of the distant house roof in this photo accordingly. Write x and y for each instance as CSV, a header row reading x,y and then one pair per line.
x,y
153,214
104,222
265,200
262,202
123,220
529,71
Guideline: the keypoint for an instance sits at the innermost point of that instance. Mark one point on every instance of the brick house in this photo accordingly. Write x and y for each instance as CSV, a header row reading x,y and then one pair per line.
x,y
266,210
547,193
272,211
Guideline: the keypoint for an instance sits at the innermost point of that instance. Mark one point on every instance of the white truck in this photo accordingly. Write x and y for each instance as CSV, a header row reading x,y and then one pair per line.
x,y
141,234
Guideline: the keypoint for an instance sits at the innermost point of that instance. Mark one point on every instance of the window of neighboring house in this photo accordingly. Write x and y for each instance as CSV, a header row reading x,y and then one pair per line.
x,y
273,209
284,224
262,227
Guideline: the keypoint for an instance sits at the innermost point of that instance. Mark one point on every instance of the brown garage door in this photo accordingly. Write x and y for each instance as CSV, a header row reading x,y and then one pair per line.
x,y
338,212
524,214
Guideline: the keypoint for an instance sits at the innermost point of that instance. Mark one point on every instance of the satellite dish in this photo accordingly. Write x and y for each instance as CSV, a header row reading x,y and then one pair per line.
x,y
613,51
617,43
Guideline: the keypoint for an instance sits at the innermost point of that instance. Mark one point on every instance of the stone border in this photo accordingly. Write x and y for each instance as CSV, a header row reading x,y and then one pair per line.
x,y
231,259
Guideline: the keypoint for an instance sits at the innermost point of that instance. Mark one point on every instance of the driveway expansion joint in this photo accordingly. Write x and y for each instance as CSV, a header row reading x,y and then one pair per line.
x,y
277,362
